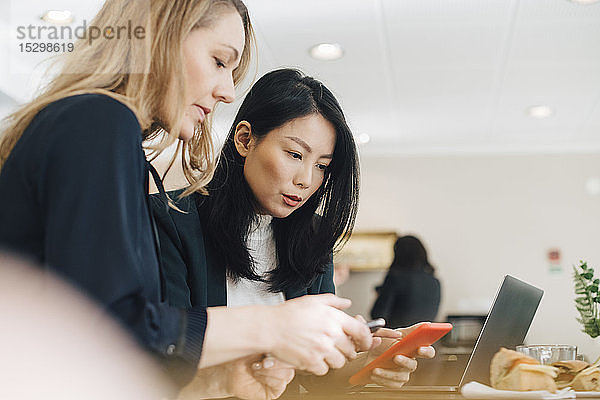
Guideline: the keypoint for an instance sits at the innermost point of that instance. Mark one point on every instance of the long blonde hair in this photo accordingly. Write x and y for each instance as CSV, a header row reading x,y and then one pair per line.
x,y
140,73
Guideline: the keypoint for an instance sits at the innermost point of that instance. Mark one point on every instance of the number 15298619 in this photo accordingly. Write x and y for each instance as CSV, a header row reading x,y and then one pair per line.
x,y
45,47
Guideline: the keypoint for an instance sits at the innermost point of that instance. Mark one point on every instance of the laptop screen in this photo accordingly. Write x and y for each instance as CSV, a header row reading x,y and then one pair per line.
x,y
506,325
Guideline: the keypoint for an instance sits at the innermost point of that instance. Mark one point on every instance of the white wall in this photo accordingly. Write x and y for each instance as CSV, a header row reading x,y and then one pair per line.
x,y
482,217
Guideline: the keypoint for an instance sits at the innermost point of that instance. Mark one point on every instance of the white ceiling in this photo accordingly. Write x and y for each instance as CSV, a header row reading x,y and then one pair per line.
x,y
424,76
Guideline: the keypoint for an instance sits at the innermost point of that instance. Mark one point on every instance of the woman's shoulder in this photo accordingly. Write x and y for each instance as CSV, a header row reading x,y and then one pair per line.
x,y
91,114
89,128
90,104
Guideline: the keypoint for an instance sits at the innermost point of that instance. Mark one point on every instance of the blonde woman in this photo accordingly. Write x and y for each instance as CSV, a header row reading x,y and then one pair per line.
x,y
74,184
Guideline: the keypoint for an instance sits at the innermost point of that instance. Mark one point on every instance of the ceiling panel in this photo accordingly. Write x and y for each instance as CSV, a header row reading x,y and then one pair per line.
x,y
557,42
293,27
558,9
445,103
445,58
568,96
438,33
551,62
419,76
589,131
433,11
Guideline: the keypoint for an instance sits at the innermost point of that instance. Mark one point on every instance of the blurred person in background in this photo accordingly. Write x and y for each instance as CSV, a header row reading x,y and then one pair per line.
x,y
410,292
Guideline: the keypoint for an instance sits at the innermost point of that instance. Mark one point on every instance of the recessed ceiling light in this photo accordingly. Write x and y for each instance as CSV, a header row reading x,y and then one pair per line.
x,y
539,112
363,138
58,17
327,51
585,1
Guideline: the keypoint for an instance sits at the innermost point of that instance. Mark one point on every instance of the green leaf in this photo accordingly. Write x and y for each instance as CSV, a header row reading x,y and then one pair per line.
x,y
583,265
587,298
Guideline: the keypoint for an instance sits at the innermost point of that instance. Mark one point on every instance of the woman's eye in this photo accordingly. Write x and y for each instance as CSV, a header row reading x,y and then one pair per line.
x,y
295,155
219,63
322,167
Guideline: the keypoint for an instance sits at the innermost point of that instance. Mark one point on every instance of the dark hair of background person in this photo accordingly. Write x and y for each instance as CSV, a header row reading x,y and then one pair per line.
x,y
303,242
409,252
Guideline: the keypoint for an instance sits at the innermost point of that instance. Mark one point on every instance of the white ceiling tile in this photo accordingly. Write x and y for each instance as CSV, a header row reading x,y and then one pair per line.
x,y
567,91
450,104
590,128
292,28
558,9
438,33
558,42
444,10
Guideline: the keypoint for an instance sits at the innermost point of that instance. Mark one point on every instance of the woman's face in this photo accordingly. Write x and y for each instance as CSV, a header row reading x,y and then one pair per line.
x,y
211,54
288,165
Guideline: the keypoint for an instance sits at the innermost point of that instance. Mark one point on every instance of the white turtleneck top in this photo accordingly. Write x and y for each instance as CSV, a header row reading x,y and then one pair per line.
x,y
261,245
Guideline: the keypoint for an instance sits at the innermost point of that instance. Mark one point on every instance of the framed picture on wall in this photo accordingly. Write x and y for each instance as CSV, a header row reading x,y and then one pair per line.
x,y
368,251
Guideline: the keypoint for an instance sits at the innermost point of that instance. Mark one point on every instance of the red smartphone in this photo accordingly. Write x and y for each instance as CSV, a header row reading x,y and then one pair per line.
x,y
424,335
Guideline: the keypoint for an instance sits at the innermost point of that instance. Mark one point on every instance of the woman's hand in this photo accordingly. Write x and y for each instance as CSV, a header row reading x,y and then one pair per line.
x,y
313,334
259,379
275,375
381,333
397,377
249,378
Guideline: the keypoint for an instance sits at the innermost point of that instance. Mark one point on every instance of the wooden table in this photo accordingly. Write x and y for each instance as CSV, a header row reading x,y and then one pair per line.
x,y
386,394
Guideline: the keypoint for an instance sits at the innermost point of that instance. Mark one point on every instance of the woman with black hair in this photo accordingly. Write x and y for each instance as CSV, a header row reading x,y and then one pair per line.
x,y
410,292
284,192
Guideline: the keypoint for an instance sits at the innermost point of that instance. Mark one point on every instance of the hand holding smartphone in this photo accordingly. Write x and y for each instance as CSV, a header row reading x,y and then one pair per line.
x,y
423,335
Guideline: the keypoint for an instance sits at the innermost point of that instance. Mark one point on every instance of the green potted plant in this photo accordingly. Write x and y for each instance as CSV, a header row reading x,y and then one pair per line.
x,y
587,299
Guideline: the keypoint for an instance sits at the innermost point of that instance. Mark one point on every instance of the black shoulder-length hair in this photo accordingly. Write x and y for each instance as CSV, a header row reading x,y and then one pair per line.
x,y
409,252
304,240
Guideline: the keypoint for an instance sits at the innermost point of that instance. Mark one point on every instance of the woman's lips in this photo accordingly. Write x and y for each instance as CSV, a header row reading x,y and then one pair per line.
x,y
291,200
202,112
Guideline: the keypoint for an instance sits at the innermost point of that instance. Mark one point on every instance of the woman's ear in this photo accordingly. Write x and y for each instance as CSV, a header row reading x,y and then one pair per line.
x,y
242,137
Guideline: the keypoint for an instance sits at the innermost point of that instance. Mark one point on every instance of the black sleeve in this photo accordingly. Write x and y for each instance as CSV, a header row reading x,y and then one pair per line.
x,y
384,304
92,189
324,283
327,285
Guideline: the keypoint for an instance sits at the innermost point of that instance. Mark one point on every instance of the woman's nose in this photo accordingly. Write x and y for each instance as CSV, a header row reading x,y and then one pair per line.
x,y
303,178
225,91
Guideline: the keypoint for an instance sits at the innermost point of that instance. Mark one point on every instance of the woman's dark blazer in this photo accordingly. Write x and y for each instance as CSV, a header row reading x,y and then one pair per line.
x,y
73,200
192,270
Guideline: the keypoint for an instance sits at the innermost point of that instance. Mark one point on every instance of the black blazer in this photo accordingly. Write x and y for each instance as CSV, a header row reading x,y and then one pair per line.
x,y
193,274
74,200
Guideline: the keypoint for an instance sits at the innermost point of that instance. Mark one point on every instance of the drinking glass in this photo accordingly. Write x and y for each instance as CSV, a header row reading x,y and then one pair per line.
x,y
549,353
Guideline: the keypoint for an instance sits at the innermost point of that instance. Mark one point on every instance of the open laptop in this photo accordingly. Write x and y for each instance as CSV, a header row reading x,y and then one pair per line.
x,y
506,325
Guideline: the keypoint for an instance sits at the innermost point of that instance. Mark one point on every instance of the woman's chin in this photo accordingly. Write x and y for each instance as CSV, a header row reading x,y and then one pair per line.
x,y
187,131
281,213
